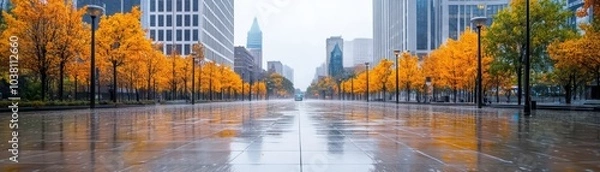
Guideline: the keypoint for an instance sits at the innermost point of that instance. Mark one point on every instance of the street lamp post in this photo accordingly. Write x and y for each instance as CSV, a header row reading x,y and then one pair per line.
x,y
352,85
397,52
527,107
250,87
193,75
243,76
94,11
479,22
339,89
367,65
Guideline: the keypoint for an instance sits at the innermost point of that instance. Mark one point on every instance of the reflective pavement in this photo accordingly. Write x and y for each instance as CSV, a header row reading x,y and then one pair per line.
x,y
304,136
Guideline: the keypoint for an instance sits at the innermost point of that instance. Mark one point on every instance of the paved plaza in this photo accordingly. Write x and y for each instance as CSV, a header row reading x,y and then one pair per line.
x,y
285,135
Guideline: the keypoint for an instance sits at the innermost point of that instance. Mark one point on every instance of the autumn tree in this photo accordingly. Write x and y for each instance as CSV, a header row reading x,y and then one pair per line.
x,y
409,73
507,34
73,40
120,37
37,24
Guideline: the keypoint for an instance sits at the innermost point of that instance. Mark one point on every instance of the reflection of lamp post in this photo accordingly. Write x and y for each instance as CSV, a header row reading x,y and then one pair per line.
x,y
479,21
397,52
94,11
367,65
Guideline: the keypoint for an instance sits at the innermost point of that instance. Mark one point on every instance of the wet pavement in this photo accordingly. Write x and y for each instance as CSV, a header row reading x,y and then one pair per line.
x,y
304,136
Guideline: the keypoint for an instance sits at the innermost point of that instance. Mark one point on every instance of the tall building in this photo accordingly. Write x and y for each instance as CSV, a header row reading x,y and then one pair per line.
x,y
320,71
331,42
115,6
254,44
394,27
362,51
178,24
336,67
348,53
422,25
288,73
275,66
244,61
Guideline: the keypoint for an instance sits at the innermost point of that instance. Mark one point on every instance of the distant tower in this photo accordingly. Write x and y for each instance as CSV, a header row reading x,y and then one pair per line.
x,y
336,63
254,44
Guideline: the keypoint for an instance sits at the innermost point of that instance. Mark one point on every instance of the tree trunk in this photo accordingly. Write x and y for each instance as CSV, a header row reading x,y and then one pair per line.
x,y
114,82
61,81
44,82
520,84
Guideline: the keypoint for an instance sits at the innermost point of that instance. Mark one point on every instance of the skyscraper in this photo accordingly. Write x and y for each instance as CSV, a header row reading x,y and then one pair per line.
x,y
243,63
331,42
336,66
362,51
178,24
254,44
422,25
288,73
394,27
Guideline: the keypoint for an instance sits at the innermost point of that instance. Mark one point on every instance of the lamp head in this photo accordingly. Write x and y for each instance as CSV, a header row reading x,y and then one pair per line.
x,y
95,10
396,52
479,21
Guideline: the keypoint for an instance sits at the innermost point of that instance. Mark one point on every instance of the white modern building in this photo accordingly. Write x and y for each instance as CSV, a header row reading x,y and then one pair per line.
x,y
288,72
178,24
362,51
348,53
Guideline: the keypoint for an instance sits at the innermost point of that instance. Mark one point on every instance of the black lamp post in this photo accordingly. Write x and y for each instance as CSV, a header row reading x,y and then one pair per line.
x,y
479,22
527,107
367,65
94,11
397,52
193,75
250,87
352,85
243,76
339,89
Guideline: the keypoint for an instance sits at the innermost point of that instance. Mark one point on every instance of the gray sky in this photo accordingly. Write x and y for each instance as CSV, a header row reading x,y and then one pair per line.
x,y
294,31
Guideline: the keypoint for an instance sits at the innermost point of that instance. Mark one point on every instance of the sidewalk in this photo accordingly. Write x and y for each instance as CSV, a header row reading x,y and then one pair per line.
x,y
542,106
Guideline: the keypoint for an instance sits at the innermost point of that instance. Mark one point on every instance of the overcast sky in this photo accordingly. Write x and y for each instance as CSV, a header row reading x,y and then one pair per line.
x,y
294,31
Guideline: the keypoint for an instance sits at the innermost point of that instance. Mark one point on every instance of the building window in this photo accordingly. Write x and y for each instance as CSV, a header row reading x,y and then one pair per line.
x,y
195,20
187,35
160,35
179,5
152,20
152,6
187,20
186,49
161,5
169,20
169,5
169,35
195,35
161,20
179,35
153,34
195,6
187,5
179,22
